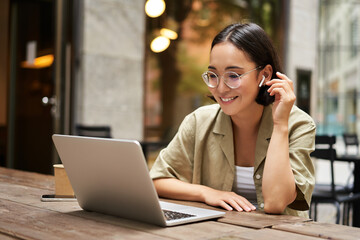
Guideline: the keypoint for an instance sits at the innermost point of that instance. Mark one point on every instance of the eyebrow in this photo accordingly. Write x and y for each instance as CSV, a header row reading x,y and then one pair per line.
x,y
227,68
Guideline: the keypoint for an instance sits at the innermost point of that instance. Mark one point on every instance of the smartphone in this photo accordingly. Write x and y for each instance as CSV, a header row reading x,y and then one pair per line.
x,y
54,198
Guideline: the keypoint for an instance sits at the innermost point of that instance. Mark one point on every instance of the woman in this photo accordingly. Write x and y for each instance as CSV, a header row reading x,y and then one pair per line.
x,y
252,147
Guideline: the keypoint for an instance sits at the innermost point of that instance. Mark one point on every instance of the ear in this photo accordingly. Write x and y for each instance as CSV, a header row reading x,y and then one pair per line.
x,y
267,72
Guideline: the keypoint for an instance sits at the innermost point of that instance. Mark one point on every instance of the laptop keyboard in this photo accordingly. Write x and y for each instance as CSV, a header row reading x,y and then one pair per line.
x,y
172,215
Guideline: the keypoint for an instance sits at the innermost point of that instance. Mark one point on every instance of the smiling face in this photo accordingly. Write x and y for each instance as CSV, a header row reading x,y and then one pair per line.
x,y
226,57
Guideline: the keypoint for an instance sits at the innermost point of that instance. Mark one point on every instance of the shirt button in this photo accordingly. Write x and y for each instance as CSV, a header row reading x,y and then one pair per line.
x,y
258,176
261,205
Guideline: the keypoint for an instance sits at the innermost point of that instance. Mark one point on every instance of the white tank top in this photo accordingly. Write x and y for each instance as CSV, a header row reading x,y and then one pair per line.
x,y
244,183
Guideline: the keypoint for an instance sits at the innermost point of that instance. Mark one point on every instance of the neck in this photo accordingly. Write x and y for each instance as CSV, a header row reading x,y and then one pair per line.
x,y
248,121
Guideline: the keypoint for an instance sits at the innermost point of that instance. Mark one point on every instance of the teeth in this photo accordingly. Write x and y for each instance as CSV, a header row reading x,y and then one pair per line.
x,y
227,99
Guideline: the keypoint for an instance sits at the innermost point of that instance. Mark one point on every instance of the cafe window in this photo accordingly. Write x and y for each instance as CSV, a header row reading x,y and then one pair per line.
x,y
354,38
303,90
350,110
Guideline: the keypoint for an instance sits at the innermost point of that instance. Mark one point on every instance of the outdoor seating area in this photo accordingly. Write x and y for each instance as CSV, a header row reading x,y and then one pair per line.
x,y
93,131
150,147
345,198
113,111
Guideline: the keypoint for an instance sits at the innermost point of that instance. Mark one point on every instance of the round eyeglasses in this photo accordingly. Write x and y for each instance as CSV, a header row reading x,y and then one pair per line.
x,y
231,79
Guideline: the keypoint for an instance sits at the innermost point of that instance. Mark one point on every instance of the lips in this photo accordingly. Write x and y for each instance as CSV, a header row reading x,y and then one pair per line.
x,y
227,99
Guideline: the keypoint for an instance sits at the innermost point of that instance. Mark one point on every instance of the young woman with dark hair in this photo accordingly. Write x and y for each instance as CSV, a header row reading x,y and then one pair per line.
x,y
251,149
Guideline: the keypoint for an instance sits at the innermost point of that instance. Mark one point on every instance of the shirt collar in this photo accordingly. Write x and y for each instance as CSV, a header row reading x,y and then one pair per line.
x,y
224,135
264,136
223,126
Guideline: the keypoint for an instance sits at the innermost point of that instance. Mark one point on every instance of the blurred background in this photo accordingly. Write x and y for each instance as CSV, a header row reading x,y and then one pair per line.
x,y
133,68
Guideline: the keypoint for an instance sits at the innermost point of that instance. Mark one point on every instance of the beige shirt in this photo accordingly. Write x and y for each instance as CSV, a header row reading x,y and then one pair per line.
x,y
202,152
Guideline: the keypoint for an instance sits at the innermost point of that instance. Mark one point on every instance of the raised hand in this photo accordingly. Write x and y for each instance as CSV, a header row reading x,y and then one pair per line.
x,y
283,90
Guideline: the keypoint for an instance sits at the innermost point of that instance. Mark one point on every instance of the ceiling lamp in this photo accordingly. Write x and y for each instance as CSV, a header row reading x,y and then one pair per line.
x,y
159,44
39,62
154,8
168,33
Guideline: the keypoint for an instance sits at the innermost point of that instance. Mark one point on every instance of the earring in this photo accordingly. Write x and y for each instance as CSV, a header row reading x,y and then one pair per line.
x,y
262,81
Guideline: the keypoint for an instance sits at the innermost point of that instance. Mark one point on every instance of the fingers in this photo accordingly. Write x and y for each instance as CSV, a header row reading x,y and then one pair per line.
x,y
282,87
282,79
227,200
224,205
238,203
277,88
248,206
233,203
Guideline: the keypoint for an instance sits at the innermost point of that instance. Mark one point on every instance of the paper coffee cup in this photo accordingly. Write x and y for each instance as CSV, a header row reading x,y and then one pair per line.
x,y
63,186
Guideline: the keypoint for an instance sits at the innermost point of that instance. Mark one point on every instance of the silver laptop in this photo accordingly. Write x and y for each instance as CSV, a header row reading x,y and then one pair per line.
x,y
111,176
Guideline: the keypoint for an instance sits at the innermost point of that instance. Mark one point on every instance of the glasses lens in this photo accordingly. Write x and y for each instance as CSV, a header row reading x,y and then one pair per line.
x,y
232,79
210,79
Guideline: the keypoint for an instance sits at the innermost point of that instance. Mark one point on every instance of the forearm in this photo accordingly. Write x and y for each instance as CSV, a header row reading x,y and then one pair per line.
x,y
176,189
278,184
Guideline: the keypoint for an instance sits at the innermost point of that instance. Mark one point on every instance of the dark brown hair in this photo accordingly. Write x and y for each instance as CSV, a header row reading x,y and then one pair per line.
x,y
254,41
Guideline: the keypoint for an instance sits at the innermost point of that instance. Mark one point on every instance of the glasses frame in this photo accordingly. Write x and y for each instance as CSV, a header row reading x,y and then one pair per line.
x,y
218,78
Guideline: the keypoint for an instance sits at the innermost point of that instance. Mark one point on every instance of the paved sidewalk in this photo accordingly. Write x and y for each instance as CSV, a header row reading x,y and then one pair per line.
x,y
327,214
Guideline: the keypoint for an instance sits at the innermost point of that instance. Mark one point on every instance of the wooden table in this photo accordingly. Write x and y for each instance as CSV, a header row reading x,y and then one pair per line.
x,y
24,216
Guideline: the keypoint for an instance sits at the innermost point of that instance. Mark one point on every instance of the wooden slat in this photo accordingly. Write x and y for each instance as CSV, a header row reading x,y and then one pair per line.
x,y
27,178
7,237
255,219
31,196
258,219
21,193
270,234
201,230
323,230
27,222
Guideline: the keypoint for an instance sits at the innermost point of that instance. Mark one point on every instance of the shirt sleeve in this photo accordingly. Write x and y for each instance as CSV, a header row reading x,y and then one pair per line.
x,y
176,160
301,144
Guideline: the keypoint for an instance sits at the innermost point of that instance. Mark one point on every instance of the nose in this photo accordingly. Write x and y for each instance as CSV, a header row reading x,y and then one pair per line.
x,y
222,87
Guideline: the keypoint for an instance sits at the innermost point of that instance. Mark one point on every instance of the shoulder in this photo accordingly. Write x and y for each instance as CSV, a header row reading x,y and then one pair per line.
x,y
208,110
299,117
205,113
202,120
302,127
